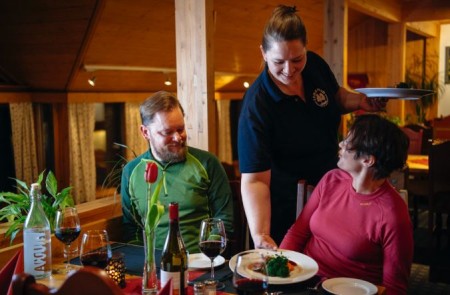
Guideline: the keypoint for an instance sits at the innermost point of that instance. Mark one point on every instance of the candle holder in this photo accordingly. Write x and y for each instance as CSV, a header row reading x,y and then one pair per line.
x,y
116,269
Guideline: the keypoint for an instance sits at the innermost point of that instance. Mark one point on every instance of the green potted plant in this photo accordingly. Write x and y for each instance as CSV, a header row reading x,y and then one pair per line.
x,y
423,74
18,203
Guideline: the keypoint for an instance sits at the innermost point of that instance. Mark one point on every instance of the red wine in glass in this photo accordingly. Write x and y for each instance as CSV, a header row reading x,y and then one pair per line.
x,y
67,234
212,249
245,280
212,242
95,249
250,286
67,229
96,259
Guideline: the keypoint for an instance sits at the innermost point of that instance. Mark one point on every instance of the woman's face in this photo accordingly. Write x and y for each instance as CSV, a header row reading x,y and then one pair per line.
x,y
286,60
347,161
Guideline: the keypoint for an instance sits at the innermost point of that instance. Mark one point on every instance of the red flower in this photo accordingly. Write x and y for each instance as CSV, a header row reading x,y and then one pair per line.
x,y
151,172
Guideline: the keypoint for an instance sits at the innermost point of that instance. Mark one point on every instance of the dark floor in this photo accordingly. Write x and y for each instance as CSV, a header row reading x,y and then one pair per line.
x,y
430,258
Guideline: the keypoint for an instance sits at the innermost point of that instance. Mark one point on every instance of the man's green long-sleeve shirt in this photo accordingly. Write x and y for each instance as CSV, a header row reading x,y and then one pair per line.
x,y
199,185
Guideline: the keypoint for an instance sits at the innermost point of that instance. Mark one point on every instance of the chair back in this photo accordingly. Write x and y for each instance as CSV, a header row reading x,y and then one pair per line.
x,y
439,168
85,281
304,191
439,182
415,140
240,241
427,135
399,179
441,128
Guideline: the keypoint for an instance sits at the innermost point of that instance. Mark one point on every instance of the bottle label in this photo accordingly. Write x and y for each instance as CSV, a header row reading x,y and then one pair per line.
x,y
37,254
176,280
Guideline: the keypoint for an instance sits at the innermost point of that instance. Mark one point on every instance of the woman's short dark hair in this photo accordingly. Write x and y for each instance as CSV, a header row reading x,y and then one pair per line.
x,y
161,101
373,135
283,25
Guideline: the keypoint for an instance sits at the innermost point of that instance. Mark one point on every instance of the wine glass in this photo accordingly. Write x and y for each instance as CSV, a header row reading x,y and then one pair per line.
x,y
67,230
250,274
95,249
212,242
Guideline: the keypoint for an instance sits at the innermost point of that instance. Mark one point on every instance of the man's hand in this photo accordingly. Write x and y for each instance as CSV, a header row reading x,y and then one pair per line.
x,y
264,241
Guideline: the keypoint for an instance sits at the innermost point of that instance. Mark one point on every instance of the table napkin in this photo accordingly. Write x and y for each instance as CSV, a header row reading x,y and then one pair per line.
x,y
13,266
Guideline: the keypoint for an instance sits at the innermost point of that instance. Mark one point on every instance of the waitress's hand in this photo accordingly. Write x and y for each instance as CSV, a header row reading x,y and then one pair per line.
x,y
264,241
373,104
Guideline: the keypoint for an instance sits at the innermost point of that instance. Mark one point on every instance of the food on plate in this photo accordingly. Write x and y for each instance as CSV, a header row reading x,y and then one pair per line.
x,y
279,266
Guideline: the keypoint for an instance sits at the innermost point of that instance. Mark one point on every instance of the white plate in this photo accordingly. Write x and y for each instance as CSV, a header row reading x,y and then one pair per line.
x,y
200,260
349,286
308,266
398,93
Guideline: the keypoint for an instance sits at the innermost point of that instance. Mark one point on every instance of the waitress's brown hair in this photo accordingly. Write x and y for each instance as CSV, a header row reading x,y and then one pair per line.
x,y
283,25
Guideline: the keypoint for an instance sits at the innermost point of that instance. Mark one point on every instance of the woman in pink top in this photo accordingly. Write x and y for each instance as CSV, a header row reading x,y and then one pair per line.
x,y
356,224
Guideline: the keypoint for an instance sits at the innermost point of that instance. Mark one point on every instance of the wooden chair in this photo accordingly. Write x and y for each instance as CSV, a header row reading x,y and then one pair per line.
x,y
439,204
86,281
241,239
415,140
399,179
441,128
230,170
427,136
439,185
304,192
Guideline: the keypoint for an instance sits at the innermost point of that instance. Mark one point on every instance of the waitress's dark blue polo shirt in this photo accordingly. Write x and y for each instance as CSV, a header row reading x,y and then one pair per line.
x,y
293,138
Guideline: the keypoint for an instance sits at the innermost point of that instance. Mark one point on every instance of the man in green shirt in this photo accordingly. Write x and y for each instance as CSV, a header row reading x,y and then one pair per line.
x,y
192,177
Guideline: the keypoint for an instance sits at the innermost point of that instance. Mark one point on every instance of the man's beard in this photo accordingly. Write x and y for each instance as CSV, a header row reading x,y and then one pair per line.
x,y
167,156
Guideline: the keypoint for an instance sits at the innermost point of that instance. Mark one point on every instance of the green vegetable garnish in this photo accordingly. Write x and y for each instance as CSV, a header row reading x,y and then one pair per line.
x,y
277,266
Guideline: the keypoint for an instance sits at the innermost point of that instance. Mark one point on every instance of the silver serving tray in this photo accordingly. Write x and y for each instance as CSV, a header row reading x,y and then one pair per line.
x,y
395,93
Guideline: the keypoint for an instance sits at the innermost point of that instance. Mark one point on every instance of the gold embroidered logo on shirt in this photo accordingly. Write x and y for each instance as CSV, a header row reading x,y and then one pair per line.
x,y
320,98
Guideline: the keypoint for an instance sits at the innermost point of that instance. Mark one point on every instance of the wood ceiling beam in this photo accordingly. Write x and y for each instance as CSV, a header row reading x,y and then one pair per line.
x,y
93,22
426,10
386,10
427,29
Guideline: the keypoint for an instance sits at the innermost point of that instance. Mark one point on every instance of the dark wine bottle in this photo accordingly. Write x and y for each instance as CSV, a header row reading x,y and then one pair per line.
x,y
174,260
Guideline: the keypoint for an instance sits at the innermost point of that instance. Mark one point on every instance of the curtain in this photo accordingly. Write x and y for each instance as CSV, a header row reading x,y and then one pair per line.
x,y
225,153
24,143
82,159
133,138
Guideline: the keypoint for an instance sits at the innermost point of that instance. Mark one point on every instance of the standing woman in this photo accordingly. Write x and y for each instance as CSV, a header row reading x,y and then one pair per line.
x,y
288,126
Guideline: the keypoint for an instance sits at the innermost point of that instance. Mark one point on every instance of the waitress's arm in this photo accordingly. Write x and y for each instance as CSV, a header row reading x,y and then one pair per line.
x,y
352,101
255,188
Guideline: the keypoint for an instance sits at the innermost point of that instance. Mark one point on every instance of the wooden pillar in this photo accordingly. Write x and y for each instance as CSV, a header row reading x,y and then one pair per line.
x,y
335,44
396,61
335,38
195,70
61,143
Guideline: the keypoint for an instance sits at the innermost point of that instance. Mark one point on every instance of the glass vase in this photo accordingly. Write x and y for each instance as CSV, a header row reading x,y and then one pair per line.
x,y
149,278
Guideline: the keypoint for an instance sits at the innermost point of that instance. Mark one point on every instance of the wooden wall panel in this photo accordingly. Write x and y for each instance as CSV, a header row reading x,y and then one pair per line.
x,y
367,51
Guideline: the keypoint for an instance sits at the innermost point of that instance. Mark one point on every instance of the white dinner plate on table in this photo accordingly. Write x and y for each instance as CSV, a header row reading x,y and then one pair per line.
x,y
349,286
307,266
396,93
200,260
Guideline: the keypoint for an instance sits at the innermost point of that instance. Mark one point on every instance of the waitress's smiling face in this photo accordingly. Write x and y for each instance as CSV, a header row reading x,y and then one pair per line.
x,y
286,60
